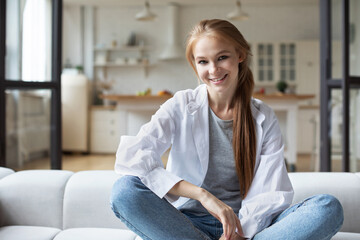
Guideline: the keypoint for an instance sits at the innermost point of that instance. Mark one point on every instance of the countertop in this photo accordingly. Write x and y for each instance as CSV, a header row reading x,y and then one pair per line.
x,y
276,96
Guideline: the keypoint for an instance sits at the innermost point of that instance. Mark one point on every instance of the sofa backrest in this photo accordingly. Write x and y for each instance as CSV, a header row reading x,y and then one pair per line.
x,y
87,200
33,197
344,186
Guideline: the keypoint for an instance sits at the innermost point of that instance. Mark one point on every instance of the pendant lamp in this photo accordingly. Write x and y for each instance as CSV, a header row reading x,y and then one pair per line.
x,y
145,14
238,14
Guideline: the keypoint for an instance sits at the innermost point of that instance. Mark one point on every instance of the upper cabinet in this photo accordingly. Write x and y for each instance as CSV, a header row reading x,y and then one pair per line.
x,y
296,62
274,61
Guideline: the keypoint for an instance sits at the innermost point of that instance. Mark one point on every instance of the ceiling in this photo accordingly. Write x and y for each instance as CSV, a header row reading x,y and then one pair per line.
x,y
186,2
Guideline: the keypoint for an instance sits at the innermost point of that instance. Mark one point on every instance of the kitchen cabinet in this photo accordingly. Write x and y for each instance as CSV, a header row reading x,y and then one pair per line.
x,y
274,61
308,70
106,129
298,63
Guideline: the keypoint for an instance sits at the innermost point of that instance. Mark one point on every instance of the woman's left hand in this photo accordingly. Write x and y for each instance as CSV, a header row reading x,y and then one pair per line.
x,y
222,212
234,237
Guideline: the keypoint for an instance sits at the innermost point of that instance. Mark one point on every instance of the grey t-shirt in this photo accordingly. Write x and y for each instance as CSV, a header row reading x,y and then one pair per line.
x,y
221,179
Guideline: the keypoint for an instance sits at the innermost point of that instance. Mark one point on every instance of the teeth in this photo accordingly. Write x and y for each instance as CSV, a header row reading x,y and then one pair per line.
x,y
217,79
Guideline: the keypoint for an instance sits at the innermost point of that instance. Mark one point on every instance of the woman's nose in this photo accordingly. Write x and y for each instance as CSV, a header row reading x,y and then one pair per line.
x,y
213,68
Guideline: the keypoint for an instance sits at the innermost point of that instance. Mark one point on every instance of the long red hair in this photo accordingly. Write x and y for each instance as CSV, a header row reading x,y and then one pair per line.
x,y
244,133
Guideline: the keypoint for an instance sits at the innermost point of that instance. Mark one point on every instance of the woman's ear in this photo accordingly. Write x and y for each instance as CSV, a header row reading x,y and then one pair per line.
x,y
241,57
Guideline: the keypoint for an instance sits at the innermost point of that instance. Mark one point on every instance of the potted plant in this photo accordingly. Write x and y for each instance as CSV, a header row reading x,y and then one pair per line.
x,y
281,86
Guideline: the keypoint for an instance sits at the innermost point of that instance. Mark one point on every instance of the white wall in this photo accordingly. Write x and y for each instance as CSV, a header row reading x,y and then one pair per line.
x,y
266,23
72,45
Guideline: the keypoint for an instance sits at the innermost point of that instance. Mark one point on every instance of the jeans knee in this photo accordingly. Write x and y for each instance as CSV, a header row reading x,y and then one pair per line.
x,y
332,209
123,193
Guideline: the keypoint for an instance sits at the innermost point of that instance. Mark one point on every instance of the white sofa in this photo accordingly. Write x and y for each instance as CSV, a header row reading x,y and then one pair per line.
x,y
62,205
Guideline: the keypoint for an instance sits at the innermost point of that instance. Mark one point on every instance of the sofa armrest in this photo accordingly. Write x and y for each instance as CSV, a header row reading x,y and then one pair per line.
x,y
344,186
5,172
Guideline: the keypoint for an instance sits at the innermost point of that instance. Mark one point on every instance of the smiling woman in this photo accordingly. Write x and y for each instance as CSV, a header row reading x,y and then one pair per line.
x,y
225,177
216,65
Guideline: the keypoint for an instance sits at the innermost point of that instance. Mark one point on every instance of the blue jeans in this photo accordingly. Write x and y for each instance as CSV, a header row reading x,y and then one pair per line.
x,y
151,217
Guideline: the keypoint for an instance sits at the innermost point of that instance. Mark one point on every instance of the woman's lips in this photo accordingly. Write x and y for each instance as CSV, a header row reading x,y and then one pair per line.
x,y
218,80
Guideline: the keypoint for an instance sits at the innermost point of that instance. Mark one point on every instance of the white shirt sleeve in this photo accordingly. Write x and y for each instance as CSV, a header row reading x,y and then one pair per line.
x,y
140,155
271,191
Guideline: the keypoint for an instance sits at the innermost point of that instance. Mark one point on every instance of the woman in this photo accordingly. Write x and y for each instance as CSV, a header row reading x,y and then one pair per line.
x,y
225,177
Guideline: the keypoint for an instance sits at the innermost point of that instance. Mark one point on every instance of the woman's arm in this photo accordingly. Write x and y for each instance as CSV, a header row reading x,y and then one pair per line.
x,y
215,207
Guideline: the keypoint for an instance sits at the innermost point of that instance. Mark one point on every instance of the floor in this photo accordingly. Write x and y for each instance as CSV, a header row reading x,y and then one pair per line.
x,y
81,162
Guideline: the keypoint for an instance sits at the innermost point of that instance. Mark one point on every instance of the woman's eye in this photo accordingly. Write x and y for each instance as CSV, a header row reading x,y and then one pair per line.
x,y
202,62
223,57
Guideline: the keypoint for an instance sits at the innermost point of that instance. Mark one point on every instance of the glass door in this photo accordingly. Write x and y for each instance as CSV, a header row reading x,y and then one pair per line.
x,y
30,57
340,84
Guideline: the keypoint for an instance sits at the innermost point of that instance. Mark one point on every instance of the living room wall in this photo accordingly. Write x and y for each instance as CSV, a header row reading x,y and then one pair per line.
x,y
267,23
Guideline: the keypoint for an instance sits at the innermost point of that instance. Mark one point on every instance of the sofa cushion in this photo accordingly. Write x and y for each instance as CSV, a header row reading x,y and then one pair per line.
x,y
5,171
95,234
346,236
344,186
33,198
87,200
28,233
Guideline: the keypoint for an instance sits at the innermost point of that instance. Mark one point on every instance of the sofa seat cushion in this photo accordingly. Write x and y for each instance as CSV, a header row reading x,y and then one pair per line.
x,y
28,233
95,234
346,236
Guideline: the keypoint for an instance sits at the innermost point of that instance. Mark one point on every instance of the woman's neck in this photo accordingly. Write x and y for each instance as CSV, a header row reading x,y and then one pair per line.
x,y
221,107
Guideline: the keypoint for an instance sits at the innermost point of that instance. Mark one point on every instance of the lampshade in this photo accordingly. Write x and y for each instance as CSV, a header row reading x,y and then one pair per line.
x,y
145,14
238,14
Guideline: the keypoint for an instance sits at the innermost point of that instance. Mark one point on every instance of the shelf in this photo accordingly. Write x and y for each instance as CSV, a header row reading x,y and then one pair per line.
x,y
121,65
124,48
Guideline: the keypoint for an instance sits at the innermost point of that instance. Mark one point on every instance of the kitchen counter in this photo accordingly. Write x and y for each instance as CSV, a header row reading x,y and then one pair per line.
x,y
263,97
115,97
282,96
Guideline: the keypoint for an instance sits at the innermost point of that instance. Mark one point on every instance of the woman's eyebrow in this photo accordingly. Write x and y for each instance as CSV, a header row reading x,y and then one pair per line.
x,y
219,53
223,51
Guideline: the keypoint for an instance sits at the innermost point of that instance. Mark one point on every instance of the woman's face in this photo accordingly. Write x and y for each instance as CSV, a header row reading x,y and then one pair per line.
x,y
217,64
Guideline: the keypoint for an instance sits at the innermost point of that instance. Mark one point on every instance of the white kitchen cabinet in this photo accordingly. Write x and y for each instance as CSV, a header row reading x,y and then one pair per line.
x,y
274,61
106,128
298,63
308,70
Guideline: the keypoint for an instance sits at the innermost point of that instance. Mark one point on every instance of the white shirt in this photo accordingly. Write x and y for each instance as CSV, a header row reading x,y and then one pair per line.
x,y
182,123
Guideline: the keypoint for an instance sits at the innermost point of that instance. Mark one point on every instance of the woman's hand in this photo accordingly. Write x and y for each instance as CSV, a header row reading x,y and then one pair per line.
x,y
236,237
224,214
215,207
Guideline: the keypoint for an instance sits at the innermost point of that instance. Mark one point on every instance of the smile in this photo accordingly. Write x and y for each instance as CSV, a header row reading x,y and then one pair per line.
x,y
218,79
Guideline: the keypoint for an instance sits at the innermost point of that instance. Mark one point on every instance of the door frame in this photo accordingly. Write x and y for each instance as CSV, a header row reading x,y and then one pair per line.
x,y
54,85
329,83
